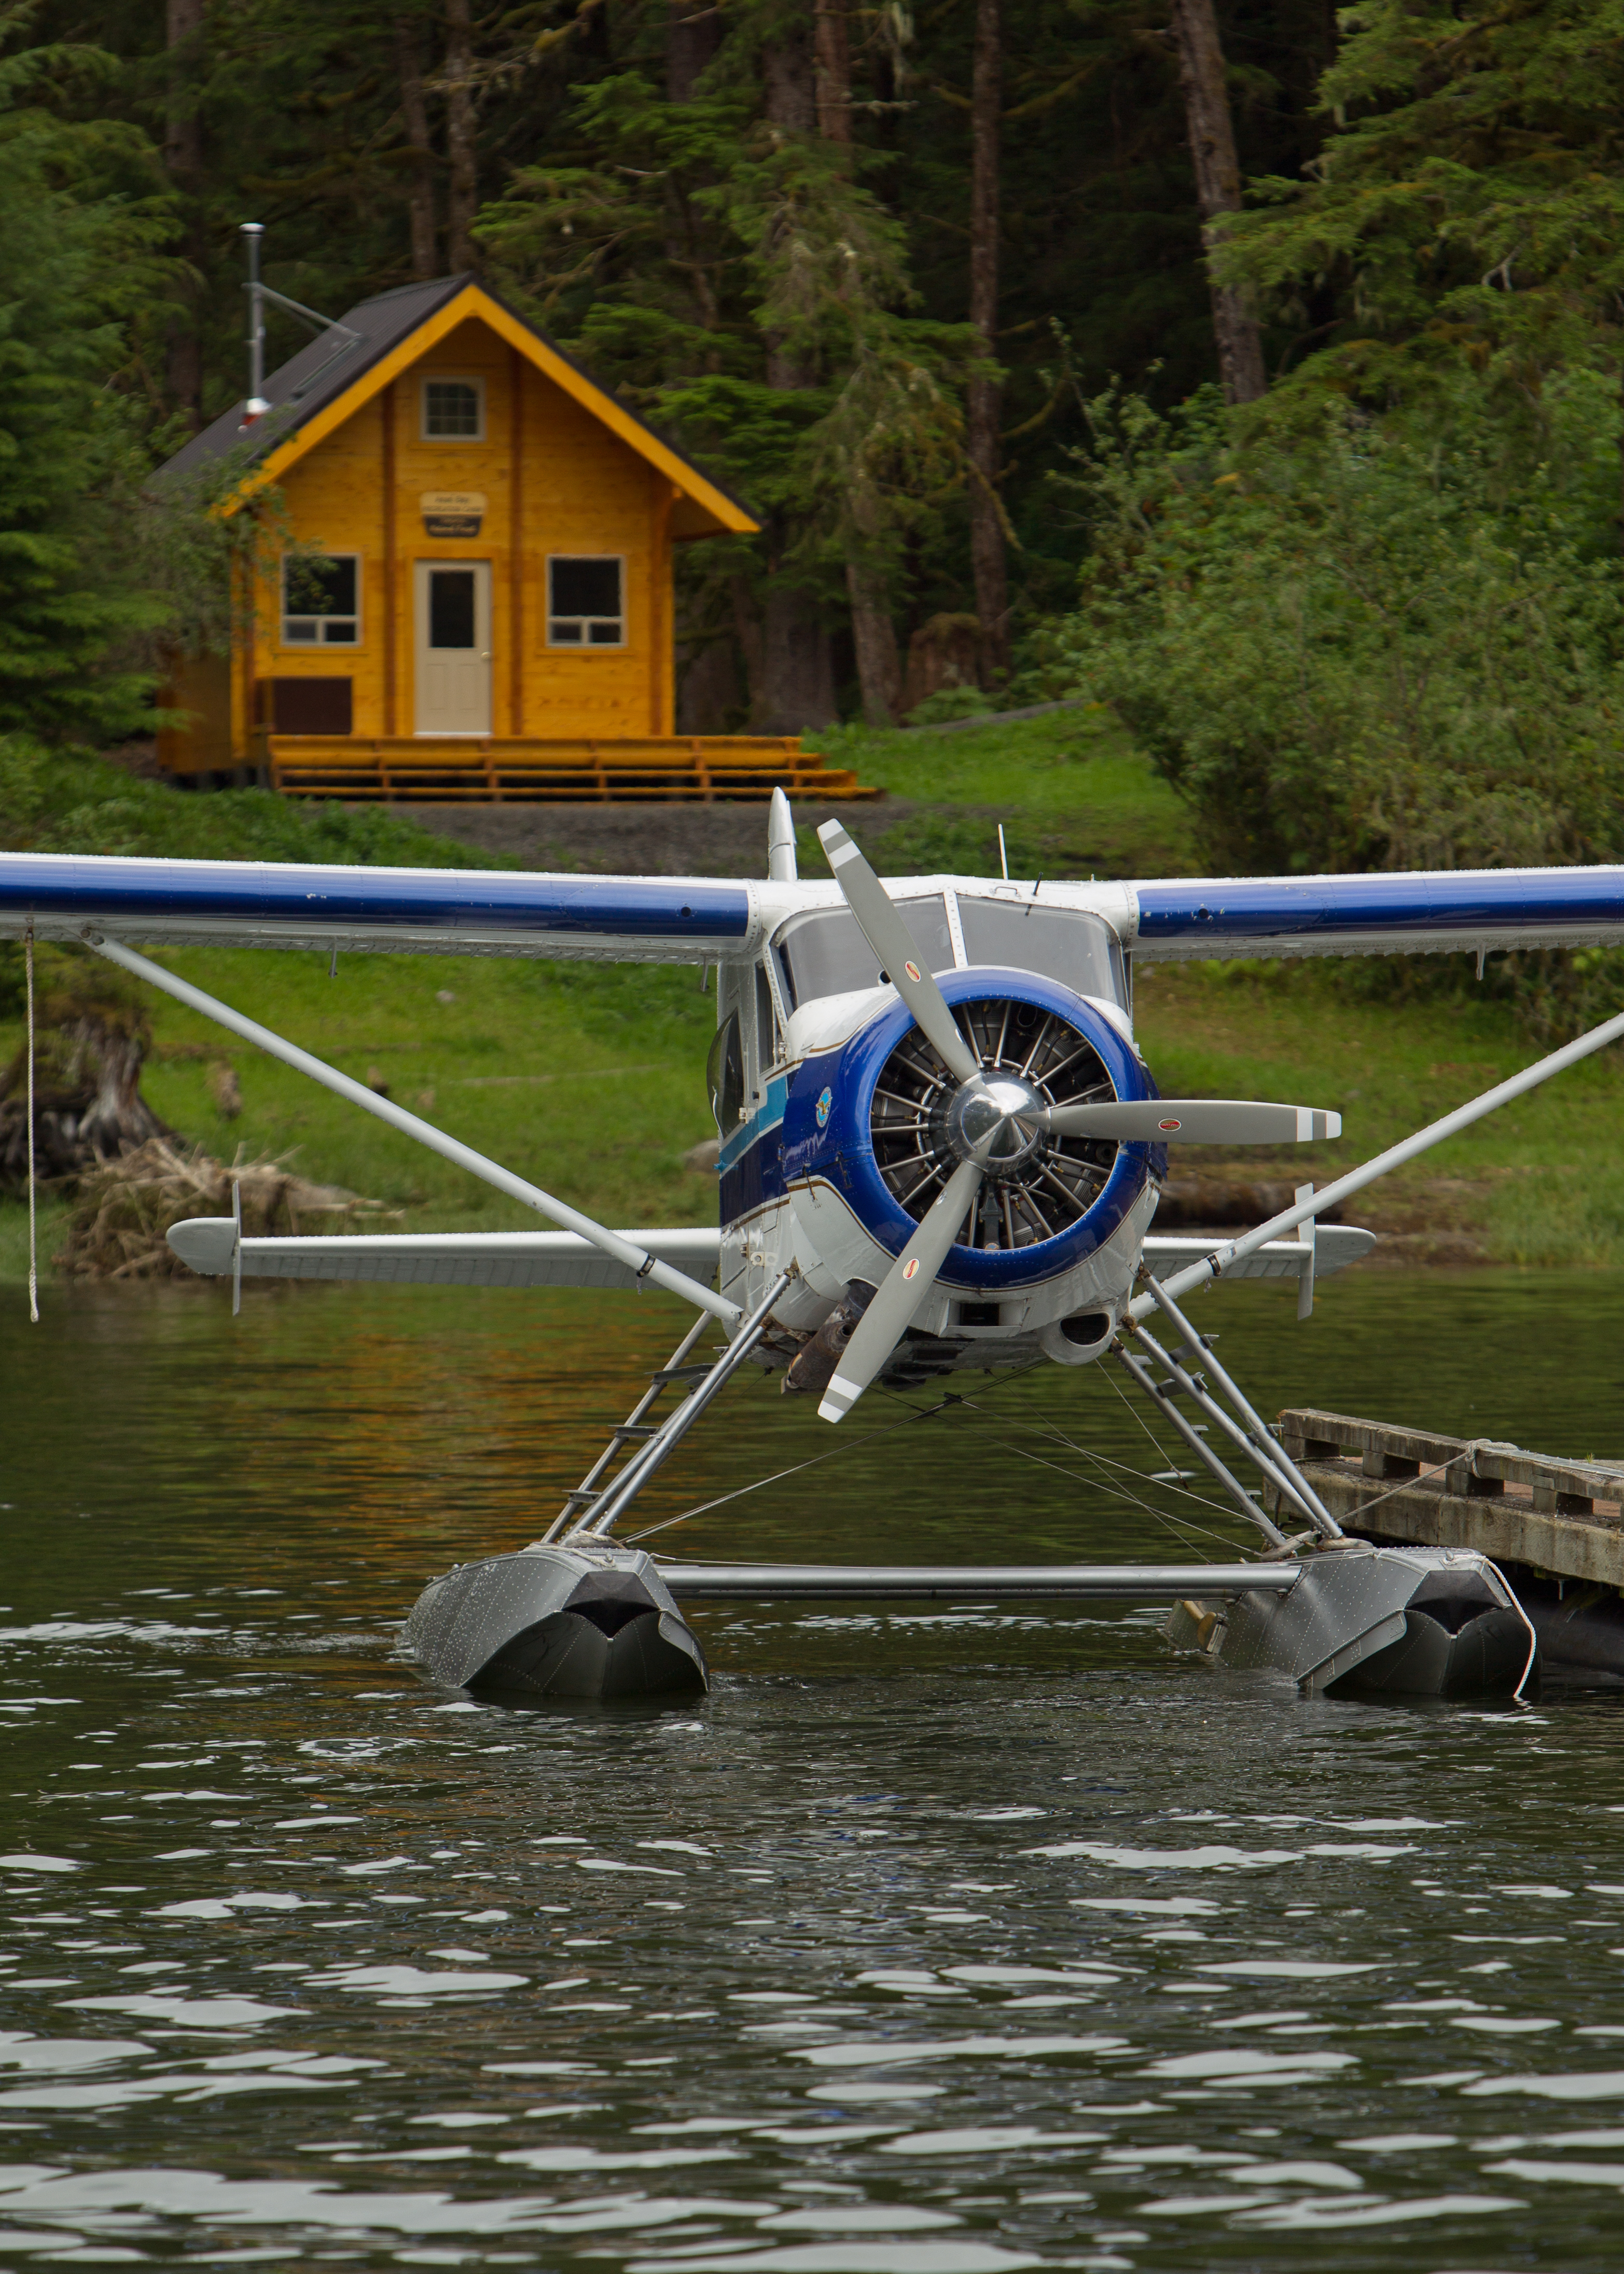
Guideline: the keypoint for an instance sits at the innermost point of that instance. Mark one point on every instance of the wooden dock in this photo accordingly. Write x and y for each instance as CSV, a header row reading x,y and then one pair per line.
x,y
1562,1518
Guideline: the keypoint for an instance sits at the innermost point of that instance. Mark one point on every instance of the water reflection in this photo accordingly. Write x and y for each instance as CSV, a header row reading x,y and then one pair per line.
x,y
974,1939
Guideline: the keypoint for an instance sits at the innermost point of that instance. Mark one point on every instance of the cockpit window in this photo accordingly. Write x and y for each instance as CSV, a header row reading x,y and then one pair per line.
x,y
1080,950
824,953
724,1077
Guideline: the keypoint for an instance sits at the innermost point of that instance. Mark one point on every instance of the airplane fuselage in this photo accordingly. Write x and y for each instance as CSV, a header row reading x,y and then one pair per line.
x,y
838,1127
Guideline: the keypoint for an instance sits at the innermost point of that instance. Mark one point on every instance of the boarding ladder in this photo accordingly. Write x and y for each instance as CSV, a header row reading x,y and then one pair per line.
x,y
636,1430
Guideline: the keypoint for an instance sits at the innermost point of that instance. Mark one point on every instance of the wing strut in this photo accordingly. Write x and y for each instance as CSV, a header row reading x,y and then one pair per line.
x,y
462,1157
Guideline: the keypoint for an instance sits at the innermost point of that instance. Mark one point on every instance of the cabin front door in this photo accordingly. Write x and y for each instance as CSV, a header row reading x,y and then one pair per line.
x,y
453,647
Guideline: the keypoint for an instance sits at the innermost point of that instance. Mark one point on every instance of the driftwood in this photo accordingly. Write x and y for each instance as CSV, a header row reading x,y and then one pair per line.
x,y
1210,1201
125,1208
87,1101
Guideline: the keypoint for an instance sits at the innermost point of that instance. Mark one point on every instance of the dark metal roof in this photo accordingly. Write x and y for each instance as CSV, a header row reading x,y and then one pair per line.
x,y
311,380
331,364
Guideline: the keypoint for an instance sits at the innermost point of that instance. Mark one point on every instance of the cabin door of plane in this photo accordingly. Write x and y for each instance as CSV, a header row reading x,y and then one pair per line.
x,y
453,614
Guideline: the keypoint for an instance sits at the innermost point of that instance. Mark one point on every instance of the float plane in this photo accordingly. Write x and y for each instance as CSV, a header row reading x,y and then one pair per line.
x,y
940,1148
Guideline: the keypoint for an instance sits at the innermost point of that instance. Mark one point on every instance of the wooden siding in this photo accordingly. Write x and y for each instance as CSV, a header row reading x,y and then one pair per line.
x,y
556,479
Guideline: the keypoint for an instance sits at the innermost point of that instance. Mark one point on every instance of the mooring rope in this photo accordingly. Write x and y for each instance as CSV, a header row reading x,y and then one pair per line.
x,y
34,1256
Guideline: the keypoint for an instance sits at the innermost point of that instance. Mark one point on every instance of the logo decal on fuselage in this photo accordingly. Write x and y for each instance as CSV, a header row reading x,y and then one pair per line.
x,y
822,1108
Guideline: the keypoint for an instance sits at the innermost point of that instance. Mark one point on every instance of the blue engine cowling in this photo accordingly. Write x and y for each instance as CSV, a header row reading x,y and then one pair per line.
x,y
827,1133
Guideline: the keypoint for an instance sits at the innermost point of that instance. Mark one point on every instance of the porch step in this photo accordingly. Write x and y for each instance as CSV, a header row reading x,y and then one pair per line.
x,y
525,770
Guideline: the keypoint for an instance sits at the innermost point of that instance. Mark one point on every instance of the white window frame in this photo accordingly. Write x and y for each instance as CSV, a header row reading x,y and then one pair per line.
x,y
319,645
586,646
449,379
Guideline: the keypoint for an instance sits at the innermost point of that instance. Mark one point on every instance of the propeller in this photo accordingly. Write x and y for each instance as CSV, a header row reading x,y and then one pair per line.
x,y
901,1293
894,946
1192,1121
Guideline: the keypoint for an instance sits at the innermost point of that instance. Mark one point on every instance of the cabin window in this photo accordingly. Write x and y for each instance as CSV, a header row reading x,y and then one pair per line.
x,y
454,410
724,1077
322,599
766,1026
584,604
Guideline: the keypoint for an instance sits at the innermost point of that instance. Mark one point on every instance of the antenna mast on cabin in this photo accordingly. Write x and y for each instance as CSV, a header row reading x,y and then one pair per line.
x,y
252,232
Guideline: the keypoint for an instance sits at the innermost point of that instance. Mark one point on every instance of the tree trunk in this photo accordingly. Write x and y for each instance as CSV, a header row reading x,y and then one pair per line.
x,y
787,75
797,663
460,150
414,113
183,157
693,35
798,688
985,396
874,636
832,70
1201,78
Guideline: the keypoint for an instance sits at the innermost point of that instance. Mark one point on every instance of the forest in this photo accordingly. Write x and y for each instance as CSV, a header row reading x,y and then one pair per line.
x,y
1246,366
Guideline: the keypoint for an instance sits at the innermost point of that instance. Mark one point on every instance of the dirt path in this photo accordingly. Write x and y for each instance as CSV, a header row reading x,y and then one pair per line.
x,y
635,840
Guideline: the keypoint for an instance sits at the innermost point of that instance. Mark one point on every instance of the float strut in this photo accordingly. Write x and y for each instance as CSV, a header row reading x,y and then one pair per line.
x,y
1266,1449
1199,1447
676,1426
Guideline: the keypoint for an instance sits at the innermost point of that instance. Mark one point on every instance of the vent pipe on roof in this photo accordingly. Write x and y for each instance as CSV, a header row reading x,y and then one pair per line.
x,y
256,405
259,294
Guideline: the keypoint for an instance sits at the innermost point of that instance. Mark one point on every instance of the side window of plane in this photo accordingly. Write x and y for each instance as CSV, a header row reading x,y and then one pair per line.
x,y
725,1074
766,1034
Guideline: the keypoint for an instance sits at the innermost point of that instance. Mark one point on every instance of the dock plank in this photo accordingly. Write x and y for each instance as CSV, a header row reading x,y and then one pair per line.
x,y
1389,1482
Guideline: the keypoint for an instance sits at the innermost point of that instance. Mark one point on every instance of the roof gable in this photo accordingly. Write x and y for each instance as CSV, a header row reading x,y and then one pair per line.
x,y
317,390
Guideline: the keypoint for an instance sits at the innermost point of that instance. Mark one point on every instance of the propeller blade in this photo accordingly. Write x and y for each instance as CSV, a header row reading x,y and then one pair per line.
x,y
901,1292
1195,1121
894,947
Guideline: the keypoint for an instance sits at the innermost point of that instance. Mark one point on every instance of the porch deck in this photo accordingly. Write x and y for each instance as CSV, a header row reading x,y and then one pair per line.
x,y
528,769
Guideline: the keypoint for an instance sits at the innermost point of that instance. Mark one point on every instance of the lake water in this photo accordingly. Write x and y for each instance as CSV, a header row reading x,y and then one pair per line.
x,y
941,1942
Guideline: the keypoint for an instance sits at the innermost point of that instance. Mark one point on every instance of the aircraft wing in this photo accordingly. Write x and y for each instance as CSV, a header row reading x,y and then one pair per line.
x,y
699,920
1335,1246
485,1258
561,1259
422,911
1401,912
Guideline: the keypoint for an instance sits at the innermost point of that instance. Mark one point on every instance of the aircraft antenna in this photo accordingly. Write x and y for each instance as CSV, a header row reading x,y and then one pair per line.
x,y
1003,858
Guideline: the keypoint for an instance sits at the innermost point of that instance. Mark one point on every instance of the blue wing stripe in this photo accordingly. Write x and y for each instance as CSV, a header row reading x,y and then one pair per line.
x,y
149,897
1423,905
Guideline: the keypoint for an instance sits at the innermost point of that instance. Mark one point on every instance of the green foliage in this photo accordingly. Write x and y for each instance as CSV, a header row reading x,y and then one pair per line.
x,y
1469,209
1363,644
748,288
55,800
1359,649
83,216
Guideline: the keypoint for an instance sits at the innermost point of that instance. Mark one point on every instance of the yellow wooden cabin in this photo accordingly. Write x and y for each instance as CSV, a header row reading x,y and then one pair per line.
x,y
476,600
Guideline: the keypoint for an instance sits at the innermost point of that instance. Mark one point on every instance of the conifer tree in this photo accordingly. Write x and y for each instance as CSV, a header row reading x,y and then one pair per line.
x,y
77,257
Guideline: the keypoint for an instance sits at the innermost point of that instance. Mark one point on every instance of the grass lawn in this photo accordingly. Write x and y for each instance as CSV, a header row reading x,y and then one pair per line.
x,y
1075,797
590,1079
1541,1182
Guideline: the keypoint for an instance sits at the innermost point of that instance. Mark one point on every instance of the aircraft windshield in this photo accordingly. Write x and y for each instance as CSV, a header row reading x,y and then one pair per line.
x,y
824,953
1080,950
